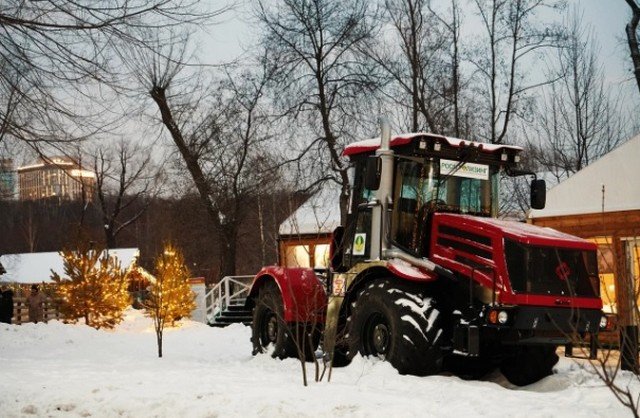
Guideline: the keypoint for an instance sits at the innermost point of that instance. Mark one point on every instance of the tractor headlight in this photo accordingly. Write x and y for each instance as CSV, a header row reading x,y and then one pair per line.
x,y
503,317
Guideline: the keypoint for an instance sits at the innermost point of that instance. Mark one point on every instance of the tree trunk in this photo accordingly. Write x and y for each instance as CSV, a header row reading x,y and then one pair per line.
x,y
159,340
110,238
632,39
228,249
158,94
228,258
263,249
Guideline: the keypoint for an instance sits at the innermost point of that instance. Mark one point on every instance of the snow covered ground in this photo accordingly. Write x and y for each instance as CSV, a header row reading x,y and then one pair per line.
x,y
72,370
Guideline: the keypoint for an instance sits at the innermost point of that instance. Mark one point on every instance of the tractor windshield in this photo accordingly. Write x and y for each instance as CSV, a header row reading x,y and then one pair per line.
x,y
423,187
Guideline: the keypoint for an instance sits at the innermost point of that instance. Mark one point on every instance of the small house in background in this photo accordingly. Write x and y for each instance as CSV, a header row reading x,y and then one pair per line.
x,y
30,268
601,203
24,270
304,237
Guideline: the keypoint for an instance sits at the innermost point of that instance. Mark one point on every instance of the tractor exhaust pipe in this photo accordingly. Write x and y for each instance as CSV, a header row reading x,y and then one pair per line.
x,y
379,242
385,137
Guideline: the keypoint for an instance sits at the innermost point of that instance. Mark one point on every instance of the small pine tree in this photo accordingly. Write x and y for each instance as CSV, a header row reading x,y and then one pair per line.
x,y
170,297
95,288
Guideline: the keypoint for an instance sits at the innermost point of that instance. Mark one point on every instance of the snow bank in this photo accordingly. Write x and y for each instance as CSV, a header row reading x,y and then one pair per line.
x,y
73,370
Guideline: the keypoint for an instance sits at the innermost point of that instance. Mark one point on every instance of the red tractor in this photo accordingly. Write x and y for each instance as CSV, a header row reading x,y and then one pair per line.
x,y
424,276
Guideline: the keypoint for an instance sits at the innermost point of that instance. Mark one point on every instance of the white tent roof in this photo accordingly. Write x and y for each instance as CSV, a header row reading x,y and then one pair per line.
x,y
320,214
36,267
582,193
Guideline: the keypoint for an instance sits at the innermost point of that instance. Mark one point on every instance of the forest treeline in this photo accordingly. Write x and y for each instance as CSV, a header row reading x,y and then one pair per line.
x,y
53,225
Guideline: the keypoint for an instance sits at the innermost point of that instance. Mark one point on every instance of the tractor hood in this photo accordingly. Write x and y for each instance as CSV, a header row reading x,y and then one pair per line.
x,y
516,231
533,265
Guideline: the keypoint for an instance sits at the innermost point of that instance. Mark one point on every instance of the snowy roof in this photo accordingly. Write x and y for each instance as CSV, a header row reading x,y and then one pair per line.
x,y
36,267
582,193
403,139
320,214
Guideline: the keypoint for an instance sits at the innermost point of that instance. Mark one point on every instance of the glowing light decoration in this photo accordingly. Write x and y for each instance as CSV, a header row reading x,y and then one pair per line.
x,y
95,287
170,295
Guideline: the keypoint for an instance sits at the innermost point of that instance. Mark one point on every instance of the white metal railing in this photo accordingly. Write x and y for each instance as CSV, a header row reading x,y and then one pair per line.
x,y
229,289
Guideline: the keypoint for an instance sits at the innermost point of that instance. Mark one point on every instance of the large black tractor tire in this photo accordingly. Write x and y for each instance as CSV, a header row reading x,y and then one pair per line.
x,y
398,323
269,331
268,328
524,365
341,357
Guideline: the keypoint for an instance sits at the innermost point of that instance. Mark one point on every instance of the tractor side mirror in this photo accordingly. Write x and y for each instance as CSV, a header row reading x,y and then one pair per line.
x,y
372,173
538,194
336,253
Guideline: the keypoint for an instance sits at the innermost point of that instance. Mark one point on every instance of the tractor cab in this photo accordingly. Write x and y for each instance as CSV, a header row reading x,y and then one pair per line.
x,y
431,174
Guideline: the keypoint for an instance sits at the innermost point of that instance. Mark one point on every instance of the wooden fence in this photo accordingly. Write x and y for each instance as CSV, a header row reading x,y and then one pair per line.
x,y
50,310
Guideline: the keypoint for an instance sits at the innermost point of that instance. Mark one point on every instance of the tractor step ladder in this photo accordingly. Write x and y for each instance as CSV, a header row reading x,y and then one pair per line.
x,y
225,302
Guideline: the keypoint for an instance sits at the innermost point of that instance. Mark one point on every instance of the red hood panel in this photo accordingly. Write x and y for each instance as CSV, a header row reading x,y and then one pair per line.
x,y
519,231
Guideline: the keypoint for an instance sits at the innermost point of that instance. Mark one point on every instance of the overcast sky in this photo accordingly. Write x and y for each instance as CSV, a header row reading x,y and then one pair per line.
x,y
227,40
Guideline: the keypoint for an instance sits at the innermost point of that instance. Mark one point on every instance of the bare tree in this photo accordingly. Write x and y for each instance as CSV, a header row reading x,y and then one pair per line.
x,y
219,134
322,79
512,38
455,86
237,155
422,64
578,120
125,183
414,62
54,54
30,228
632,38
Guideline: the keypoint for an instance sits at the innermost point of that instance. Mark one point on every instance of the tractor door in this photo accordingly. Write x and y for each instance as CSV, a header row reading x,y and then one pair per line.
x,y
357,238
415,198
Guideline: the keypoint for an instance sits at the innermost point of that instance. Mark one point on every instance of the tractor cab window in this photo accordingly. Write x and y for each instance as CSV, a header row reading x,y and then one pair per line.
x,y
415,194
423,187
465,188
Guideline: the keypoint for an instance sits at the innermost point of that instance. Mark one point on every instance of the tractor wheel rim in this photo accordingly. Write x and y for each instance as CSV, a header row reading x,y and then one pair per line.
x,y
380,338
272,329
376,336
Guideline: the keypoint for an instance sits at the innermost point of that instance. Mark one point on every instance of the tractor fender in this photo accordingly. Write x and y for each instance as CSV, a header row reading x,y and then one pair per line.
x,y
399,269
406,271
303,296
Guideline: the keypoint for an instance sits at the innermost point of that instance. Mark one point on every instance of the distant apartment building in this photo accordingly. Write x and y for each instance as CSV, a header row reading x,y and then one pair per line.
x,y
7,179
56,177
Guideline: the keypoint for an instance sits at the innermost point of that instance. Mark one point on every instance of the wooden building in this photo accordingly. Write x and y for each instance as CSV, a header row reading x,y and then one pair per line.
x,y
304,237
601,203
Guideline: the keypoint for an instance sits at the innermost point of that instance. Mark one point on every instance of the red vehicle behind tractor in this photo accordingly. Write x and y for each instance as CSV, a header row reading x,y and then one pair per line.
x,y
425,276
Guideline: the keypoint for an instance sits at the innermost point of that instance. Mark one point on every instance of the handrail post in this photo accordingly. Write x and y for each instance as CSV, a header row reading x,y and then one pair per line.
x,y
226,291
220,295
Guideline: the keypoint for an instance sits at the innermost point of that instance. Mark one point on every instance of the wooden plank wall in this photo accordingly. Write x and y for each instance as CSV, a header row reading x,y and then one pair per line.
x,y
51,310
